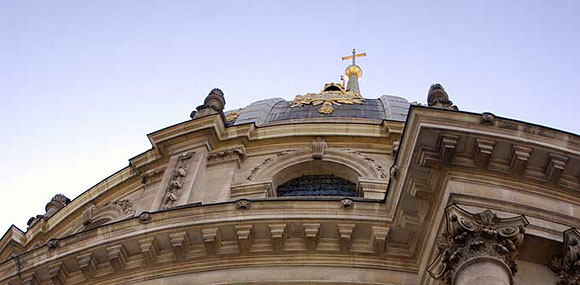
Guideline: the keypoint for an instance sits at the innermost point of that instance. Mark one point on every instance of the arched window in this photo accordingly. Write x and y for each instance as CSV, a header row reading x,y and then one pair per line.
x,y
318,185
316,178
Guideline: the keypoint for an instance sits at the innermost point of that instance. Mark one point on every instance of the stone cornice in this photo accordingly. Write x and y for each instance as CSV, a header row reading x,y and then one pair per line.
x,y
47,262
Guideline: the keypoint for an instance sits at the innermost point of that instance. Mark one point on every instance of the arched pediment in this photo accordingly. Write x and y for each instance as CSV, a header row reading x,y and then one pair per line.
x,y
95,216
349,162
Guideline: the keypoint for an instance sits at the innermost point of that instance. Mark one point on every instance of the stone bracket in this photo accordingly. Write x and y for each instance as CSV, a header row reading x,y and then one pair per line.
x,y
117,255
519,160
149,249
345,234
278,233
211,238
88,265
180,244
244,235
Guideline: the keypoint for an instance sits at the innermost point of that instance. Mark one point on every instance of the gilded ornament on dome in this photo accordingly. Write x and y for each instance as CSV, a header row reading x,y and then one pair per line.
x,y
331,94
233,115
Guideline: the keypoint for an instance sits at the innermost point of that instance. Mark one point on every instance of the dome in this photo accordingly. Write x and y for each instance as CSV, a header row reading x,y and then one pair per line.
x,y
278,110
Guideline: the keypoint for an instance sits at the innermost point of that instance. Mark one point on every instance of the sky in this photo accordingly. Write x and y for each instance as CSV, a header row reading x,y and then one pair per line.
x,y
83,82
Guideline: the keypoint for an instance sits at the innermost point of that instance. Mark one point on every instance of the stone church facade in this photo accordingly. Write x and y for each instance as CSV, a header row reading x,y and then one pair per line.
x,y
330,188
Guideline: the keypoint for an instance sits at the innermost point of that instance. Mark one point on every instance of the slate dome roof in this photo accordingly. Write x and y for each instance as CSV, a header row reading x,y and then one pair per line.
x,y
278,110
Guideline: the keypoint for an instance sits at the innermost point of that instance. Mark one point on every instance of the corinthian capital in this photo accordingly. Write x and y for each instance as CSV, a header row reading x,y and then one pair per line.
x,y
481,236
568,266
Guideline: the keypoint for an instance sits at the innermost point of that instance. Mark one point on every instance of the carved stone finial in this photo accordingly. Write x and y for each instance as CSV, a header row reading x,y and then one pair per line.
x,y
214,103
437,97
567,267
56,203
469,236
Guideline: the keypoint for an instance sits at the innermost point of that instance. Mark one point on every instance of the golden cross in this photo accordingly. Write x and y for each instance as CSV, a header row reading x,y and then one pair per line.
x,y
354,55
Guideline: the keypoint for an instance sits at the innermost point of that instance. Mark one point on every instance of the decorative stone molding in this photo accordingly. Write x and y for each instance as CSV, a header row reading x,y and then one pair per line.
x,y
318,147
172,191
372,188
567,267
252,190
265,162
236,153
378,167
481,235
93,215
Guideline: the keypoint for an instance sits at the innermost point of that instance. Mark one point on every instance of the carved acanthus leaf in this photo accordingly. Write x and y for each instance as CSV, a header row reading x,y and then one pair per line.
x,y
476,235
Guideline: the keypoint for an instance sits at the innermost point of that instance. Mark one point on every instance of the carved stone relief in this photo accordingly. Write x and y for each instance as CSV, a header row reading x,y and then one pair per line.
x,y
470,236
378,167
236,153
567,267
172,191
265,162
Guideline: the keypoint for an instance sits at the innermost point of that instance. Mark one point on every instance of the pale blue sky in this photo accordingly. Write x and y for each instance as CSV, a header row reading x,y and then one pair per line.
x,y
83,82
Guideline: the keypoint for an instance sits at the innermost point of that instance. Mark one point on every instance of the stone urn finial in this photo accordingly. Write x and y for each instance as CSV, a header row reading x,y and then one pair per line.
x,y
56,203
438,97
214,103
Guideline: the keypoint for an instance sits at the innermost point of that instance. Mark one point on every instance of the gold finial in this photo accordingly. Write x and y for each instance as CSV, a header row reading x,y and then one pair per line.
x,y
353,69
354,55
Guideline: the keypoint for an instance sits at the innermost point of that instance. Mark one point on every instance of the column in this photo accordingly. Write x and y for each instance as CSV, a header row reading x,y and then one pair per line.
x,y
477,249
